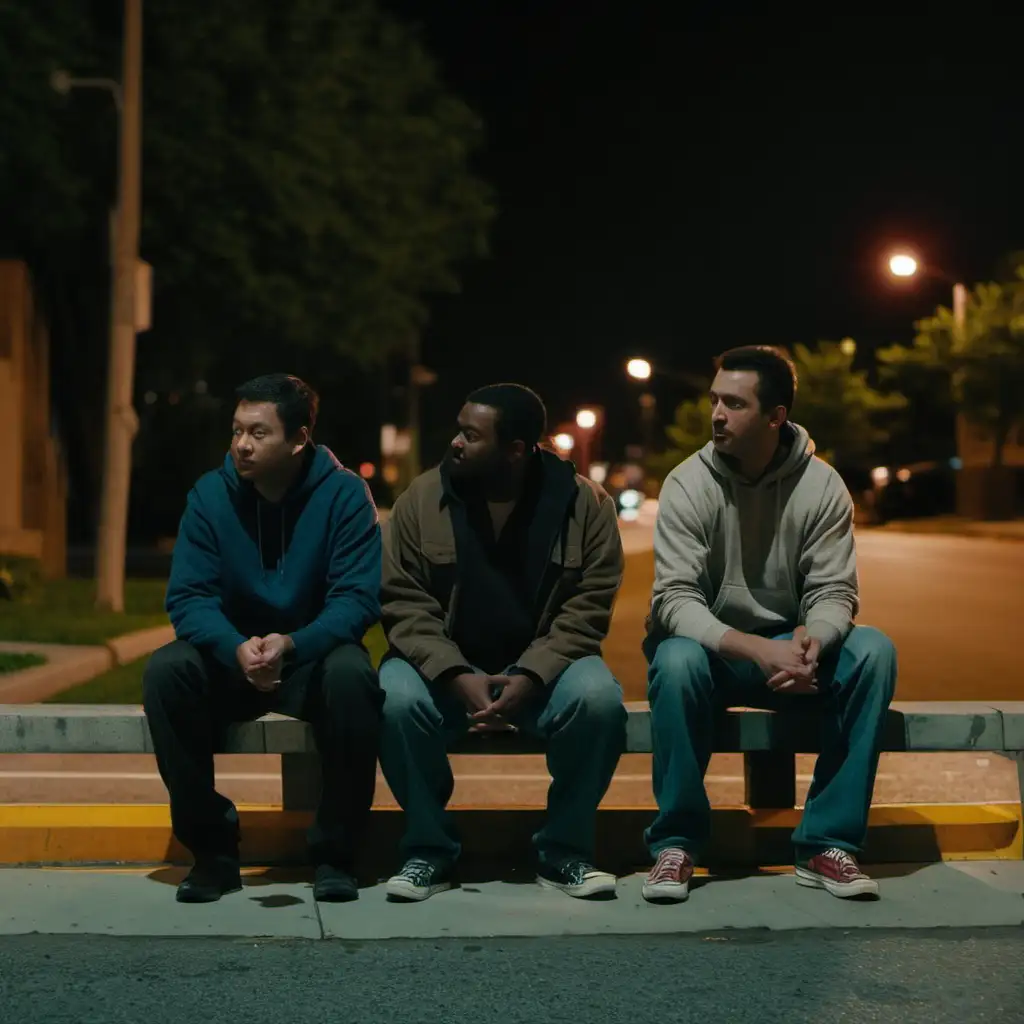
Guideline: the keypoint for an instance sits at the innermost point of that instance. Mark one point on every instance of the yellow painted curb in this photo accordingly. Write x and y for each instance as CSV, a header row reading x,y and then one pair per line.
x,y
141,833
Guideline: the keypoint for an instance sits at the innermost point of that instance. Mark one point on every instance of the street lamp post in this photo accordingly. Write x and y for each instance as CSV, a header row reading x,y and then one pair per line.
x,y
121,421
586,421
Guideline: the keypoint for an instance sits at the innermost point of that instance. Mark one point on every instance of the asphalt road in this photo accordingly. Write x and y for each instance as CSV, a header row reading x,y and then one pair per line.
x,y
924,978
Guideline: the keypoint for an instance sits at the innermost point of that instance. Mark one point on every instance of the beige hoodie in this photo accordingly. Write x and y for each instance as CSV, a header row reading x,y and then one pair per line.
x,y
759,558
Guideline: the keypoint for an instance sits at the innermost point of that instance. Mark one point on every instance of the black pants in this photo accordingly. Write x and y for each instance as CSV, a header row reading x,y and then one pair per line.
x,y
189,701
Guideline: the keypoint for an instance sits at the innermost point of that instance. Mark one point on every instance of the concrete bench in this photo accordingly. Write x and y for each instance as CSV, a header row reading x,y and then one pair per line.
x,y
769,742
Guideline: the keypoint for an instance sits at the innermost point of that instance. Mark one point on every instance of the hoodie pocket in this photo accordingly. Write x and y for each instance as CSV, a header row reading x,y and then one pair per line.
x,y
753,610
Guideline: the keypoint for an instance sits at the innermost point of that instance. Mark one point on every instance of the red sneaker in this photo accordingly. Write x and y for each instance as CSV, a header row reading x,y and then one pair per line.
x,y
837,872
669,879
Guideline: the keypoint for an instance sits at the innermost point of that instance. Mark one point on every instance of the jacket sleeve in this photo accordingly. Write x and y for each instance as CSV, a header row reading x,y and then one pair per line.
x,y
352,603
413,618
828,564
194,590
681,549
581,624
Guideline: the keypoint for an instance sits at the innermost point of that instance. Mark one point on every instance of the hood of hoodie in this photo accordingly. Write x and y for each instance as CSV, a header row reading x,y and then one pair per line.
x,y
754,532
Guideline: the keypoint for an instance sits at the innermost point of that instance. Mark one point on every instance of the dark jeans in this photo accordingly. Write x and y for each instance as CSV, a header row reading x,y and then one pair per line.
x,y
190,699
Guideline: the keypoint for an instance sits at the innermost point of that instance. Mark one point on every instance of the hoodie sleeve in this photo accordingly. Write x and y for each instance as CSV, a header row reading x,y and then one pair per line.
x,y
681,547
828,564
352,604
193,591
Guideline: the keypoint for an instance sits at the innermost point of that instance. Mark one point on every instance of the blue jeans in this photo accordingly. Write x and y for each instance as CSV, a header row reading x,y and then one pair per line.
x,y
688,685
580,715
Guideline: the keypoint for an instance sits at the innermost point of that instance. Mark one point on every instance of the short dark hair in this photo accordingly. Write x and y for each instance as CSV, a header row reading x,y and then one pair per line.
x,y
297,403
776,374
521,413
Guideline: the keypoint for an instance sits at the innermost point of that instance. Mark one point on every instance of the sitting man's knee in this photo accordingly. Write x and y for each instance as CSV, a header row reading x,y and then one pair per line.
x,y
405,691
595,690
679,664
169,670
349,672
877,654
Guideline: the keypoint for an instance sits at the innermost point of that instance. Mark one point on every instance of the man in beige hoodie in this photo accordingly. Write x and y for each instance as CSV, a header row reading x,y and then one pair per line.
x,y
755,592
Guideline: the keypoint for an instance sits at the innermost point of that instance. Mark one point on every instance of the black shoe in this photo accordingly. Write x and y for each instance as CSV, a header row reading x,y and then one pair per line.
x,y
209,879
334,885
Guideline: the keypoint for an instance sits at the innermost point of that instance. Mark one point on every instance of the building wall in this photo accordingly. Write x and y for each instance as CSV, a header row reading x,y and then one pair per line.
x,y
33,480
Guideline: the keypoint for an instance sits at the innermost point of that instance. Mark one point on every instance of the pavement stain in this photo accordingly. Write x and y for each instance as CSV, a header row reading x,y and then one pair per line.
x,y
276,901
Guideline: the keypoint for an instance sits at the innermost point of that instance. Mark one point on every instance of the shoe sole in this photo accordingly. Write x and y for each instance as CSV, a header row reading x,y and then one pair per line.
x,y
670,892
403,892
589,889
188,899
336,896
843,891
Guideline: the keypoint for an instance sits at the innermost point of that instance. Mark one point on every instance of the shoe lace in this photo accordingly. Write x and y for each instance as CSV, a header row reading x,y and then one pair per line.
x,y
419,872
669,865
847,862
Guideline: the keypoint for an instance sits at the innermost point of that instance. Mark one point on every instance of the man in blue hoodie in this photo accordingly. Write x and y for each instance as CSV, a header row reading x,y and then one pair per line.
x,y
274,581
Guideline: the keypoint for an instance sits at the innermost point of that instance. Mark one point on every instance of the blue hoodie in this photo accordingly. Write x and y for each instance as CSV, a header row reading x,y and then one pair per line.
x,y
308,565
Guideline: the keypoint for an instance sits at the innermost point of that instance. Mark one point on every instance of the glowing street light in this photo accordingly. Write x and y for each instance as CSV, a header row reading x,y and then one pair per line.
x,y
639,369
902,264
564,442
848,347
586,419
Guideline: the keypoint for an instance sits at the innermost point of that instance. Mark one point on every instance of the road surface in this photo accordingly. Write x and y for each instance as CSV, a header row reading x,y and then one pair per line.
x,y
942,977
951,604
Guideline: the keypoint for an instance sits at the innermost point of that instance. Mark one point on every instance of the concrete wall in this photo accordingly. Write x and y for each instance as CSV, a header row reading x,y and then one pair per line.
x,y
33,479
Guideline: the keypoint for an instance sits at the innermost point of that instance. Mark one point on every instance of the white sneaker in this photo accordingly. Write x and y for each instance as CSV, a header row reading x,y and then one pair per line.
x,y
417,881
669,879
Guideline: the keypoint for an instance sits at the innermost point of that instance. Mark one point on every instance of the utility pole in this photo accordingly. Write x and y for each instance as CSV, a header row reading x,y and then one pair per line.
x,y
121,420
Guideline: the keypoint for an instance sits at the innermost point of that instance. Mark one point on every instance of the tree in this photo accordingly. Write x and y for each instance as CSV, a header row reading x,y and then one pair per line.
x,y
847,417
979,369
307,186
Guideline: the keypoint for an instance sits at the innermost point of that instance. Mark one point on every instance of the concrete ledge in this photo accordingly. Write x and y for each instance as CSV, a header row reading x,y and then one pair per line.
x,y
122,729
141,834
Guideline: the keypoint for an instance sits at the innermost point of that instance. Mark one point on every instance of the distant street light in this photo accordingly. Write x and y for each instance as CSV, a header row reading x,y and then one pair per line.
x,y
848,347
902,264
639,369
586,419
564,442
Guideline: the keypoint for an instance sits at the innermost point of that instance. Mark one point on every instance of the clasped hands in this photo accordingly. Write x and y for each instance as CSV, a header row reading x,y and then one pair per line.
x,y
791,665
261,658
488,713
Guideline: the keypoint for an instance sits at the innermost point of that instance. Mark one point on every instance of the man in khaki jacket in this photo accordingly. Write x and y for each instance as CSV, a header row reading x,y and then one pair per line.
x,y
501,567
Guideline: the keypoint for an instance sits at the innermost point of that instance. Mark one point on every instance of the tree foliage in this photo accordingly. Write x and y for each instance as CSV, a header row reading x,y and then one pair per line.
x,y
980,369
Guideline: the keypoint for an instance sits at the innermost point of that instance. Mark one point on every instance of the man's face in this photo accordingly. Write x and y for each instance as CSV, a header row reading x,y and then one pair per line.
x,y
738,425
259,447
476,454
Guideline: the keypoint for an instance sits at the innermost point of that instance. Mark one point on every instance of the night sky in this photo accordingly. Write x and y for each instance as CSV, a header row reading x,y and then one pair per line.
x,y
671,185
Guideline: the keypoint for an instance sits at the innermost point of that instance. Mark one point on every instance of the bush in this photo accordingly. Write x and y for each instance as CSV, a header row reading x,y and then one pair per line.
x,y
19,576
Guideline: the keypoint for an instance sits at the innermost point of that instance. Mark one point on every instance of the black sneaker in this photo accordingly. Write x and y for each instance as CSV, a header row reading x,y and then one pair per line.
x,y
418,880
334,884
209,879
576,878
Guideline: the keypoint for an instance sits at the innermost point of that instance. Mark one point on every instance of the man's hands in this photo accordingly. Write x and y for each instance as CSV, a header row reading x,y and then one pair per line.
x,y
791,665
487,714
260,660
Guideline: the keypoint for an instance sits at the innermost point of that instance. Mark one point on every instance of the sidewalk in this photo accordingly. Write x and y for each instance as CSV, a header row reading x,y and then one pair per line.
x,y
141,903
956,526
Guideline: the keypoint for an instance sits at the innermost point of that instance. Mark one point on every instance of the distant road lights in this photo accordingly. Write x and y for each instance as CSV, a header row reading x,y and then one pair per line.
x,y
586,419
902,264
848,347
564,443
639,369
